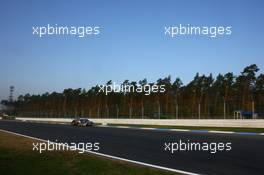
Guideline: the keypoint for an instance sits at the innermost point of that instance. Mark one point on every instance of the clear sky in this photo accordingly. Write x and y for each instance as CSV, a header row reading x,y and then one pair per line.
x,y
131,45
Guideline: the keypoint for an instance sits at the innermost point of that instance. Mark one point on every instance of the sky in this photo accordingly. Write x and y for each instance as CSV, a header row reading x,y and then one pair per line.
x,y
131,44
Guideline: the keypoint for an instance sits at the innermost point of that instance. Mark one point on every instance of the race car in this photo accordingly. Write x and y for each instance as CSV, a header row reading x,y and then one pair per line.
x,y
82,122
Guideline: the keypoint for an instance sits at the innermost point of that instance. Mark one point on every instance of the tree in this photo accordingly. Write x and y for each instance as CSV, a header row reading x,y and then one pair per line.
x,y
202,97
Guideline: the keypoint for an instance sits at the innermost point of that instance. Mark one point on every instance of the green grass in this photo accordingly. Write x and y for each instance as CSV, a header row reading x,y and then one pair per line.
x,y
17,158
258,130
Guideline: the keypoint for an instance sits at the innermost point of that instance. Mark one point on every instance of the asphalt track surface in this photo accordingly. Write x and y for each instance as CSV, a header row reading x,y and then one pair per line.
x,y
246,156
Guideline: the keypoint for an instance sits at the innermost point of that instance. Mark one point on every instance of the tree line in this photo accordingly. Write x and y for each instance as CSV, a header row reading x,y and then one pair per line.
x,y
203,97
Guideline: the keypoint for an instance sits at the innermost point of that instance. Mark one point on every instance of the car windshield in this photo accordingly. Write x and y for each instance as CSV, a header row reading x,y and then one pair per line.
x,y
83,120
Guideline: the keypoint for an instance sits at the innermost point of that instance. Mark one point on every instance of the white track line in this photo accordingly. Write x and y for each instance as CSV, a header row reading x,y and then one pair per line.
x,y
148,128
184,130
112,157
222,132
180,130
122,127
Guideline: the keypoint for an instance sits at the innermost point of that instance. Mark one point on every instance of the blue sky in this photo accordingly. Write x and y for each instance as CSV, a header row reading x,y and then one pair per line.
x,y
131,45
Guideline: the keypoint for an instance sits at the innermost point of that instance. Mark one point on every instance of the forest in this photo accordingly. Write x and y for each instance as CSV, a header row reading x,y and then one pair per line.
x,y
203,97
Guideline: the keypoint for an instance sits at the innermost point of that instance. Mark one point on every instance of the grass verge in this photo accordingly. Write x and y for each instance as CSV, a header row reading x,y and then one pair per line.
x,y
17,158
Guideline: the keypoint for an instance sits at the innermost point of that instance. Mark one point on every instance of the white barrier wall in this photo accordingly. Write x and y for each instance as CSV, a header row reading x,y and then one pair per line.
x,y
247,123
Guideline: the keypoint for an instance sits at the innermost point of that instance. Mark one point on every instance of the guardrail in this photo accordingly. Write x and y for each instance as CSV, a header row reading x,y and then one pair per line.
x,y
244,123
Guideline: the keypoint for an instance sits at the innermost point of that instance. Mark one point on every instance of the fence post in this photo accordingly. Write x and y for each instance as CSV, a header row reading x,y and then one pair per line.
x,y
199,111
224,110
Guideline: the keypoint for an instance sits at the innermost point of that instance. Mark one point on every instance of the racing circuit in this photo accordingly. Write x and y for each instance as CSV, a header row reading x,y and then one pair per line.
x,y
146,147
